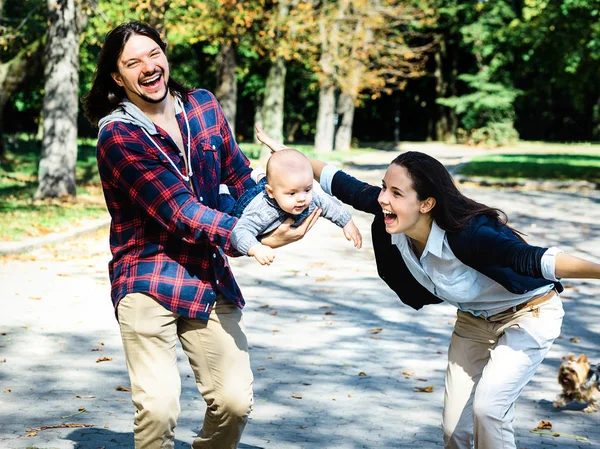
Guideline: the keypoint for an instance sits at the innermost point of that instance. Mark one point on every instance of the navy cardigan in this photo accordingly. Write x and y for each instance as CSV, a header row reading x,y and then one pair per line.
x,y
484,244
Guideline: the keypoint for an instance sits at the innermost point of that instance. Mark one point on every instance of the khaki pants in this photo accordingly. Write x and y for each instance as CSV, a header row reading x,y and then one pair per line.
x,y
217,350
489,363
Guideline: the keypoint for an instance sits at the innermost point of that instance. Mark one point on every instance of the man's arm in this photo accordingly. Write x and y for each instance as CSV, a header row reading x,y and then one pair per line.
x,y
125,163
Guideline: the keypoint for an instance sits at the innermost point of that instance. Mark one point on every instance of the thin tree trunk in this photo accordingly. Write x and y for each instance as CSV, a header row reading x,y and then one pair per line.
x,y
273,101
59,111
226,90
157,10
272,109
345,110
441,128
325,126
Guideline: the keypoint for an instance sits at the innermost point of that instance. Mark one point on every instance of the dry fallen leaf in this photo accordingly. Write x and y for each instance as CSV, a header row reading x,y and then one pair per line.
x,y
104,359
264,306
297,396
84,397
260,369
362,374
408,373
274,312
97,349
574,339
7,390
329,312
3,361
324,279
121,388
544,425
427,389
376,331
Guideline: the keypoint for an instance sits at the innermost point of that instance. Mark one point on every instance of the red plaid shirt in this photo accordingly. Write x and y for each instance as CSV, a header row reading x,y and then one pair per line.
x,y
166,240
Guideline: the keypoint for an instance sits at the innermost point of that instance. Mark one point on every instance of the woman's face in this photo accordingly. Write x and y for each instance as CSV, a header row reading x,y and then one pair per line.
x,y
403,211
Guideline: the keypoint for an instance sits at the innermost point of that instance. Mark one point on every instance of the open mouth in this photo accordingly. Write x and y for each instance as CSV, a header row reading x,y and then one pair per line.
x,y
389,217
152,82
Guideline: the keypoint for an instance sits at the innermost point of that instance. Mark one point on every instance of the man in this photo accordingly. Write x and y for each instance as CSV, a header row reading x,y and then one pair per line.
x,y
163,150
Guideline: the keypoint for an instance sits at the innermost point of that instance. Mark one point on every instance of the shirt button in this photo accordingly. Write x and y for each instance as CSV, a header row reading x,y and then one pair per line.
x,y
214,148
201,199
214,256
217,282
180,154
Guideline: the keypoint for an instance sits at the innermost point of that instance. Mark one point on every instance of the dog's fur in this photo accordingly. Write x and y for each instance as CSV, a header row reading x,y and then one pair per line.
x,y
578,381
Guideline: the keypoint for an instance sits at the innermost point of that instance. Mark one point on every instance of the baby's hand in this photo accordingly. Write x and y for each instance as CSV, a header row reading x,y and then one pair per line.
x,y
262,253
351,232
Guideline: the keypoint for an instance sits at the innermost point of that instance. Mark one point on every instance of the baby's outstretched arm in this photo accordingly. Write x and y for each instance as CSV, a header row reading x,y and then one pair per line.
x,y
351,232
262,253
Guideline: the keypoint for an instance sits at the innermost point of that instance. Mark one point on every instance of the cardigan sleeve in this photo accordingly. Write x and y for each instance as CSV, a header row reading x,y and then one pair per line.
x,y
358,194
489,242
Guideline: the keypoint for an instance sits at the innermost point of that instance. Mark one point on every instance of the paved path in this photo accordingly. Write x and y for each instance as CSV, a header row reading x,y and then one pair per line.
x,y
336,357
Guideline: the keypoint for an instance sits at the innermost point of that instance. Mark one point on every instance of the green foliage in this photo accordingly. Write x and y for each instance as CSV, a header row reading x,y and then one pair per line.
x,y
536,166
486,112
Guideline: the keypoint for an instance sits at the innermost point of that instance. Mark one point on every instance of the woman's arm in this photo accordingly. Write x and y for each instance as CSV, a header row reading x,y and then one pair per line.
x,y
575,267
274,146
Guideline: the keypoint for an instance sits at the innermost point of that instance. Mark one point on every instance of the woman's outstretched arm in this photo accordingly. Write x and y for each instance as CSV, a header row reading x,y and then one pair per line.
x,y
574,267
262,136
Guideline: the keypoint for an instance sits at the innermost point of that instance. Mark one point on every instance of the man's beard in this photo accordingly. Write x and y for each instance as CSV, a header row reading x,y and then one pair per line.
x,y
154,100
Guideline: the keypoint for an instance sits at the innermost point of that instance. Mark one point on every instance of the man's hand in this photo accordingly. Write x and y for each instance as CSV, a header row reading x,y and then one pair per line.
x,y
263,137
285,233
351,232
262,253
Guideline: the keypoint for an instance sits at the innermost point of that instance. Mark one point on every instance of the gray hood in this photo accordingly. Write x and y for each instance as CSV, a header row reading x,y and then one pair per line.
x,y
128,112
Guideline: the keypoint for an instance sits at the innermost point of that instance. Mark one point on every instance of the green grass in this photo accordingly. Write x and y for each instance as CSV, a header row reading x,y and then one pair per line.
x,y
555,166
21,216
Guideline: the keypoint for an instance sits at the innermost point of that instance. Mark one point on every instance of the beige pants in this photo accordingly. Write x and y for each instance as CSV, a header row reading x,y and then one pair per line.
x,y
489,363
217,350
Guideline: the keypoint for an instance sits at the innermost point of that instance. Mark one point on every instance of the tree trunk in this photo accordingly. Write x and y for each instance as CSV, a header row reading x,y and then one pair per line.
x,y
157,11
272,108
325,117
12,74
441,127
345,110
226,91
59,111
325,126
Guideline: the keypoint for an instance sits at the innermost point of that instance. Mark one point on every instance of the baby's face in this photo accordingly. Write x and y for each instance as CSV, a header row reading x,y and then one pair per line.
x,y
292,191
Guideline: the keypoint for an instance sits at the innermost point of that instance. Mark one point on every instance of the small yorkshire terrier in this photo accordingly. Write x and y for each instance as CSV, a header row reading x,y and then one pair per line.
x,y
579,382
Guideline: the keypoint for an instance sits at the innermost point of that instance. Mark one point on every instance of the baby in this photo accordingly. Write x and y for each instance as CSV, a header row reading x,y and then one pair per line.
x,y
287,191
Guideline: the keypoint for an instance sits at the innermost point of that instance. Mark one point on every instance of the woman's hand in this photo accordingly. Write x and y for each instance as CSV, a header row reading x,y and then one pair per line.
x,y
285,233
264,138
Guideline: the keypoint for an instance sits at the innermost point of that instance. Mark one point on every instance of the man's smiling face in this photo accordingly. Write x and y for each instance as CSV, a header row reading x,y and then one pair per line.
x,y
143,71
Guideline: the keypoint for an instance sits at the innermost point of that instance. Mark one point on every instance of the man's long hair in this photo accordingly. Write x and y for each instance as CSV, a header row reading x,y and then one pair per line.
x,y
105,94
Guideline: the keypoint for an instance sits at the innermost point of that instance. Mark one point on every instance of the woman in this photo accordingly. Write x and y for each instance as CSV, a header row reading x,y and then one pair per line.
x,y
434,244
